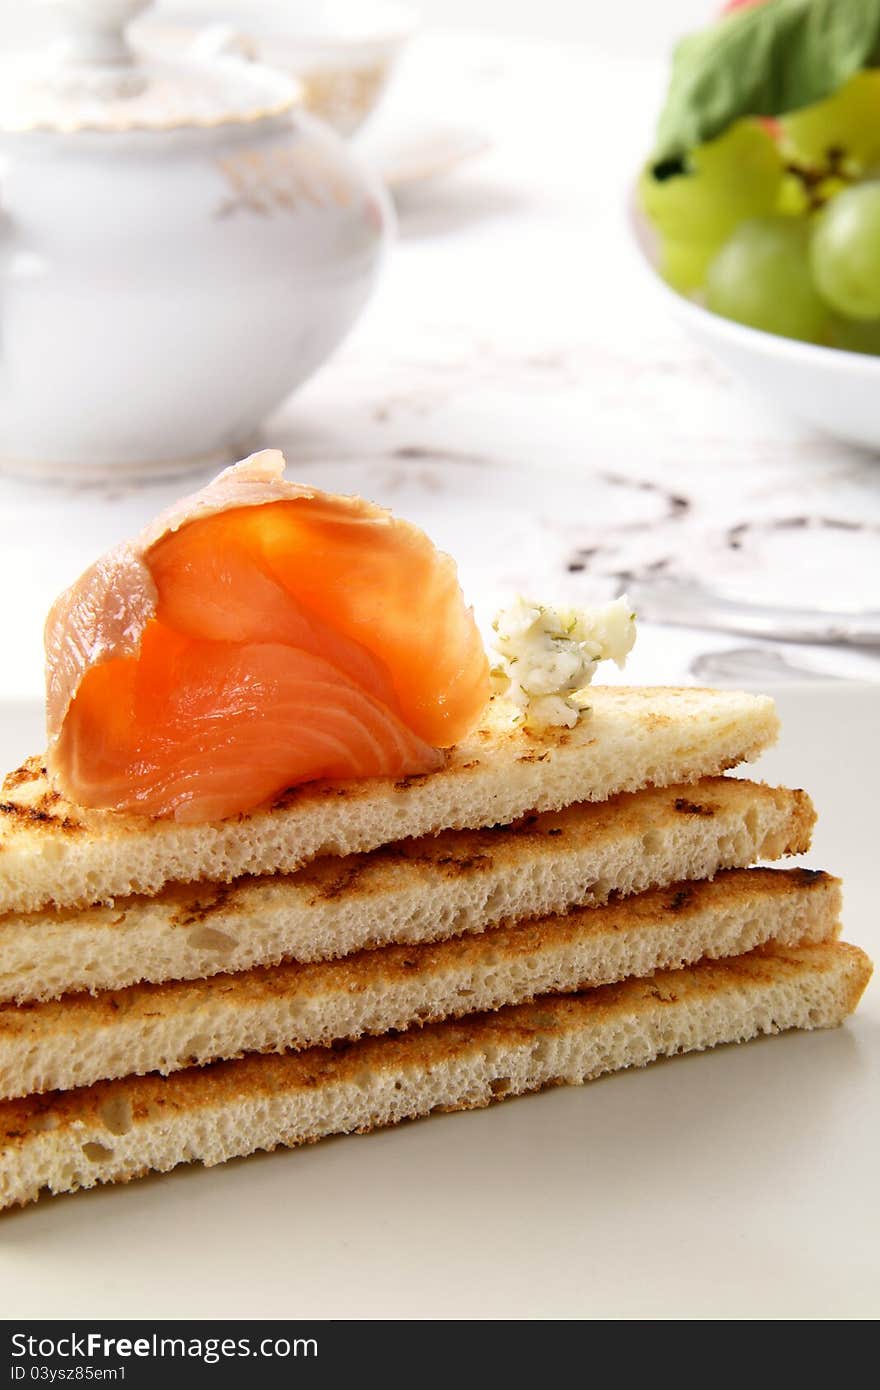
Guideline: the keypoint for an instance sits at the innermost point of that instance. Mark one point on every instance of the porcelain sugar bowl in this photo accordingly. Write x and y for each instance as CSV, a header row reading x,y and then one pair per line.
x,y
180,246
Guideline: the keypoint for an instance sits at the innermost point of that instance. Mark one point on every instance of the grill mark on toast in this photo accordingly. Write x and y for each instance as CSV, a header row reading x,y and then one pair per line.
x,y
28,772
680,901
40,814
203,905
809,878
693,808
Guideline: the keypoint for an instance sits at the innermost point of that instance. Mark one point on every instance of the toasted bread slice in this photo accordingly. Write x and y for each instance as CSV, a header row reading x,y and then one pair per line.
x,y
419,890
117,1130
164,1028
52,852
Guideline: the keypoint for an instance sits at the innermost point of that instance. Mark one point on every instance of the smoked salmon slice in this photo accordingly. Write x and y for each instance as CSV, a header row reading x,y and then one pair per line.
x,y
258,635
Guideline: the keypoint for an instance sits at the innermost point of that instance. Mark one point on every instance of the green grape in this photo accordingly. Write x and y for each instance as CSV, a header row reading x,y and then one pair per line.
x,y
683,264
731,178
855,335
840,132
761,277
794,198
737,176
846,252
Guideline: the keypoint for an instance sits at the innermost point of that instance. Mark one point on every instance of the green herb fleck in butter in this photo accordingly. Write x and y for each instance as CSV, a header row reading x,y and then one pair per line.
x,y
548,656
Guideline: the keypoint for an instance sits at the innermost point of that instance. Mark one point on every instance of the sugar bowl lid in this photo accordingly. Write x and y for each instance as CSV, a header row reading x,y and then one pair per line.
x,y
95,79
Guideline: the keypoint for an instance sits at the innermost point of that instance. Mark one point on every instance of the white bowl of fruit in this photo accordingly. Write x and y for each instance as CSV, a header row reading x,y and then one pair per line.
x,y
760,206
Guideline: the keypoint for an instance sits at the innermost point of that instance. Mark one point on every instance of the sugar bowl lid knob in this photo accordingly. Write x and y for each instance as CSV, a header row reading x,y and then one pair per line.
x,y
92,32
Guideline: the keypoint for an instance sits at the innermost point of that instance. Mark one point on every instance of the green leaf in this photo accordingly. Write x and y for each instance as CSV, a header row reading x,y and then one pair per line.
x,y
764,61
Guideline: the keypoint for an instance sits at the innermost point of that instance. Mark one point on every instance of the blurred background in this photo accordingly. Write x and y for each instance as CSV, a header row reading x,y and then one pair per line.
x,y
517,380
635,24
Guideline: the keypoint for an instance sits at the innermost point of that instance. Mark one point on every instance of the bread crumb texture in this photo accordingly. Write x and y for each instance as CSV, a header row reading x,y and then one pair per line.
x,y
54,853
164,1028
438,886
117,1130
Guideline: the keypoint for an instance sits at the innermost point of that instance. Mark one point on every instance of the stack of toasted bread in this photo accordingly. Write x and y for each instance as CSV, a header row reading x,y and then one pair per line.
x,y
548,907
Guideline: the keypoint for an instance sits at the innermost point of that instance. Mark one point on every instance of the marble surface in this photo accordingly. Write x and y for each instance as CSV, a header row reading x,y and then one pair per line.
x,y
518,388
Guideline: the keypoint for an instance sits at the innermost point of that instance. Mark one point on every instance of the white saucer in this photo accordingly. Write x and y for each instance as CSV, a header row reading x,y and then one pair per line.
x,y
407,154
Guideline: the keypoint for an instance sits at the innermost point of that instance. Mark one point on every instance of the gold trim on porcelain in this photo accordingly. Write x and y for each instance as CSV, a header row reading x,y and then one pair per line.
x,y
344,96
261,113
282,180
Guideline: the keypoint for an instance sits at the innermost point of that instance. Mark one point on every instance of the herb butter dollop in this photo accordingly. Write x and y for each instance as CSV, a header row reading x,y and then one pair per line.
x,y
545,657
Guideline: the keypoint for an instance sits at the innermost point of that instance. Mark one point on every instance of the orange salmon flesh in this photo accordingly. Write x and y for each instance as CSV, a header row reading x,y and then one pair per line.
x,y
249,648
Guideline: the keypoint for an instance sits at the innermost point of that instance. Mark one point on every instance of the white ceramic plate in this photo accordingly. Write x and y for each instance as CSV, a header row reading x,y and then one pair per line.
x,y
409,155
736,1184
834,391
435,118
